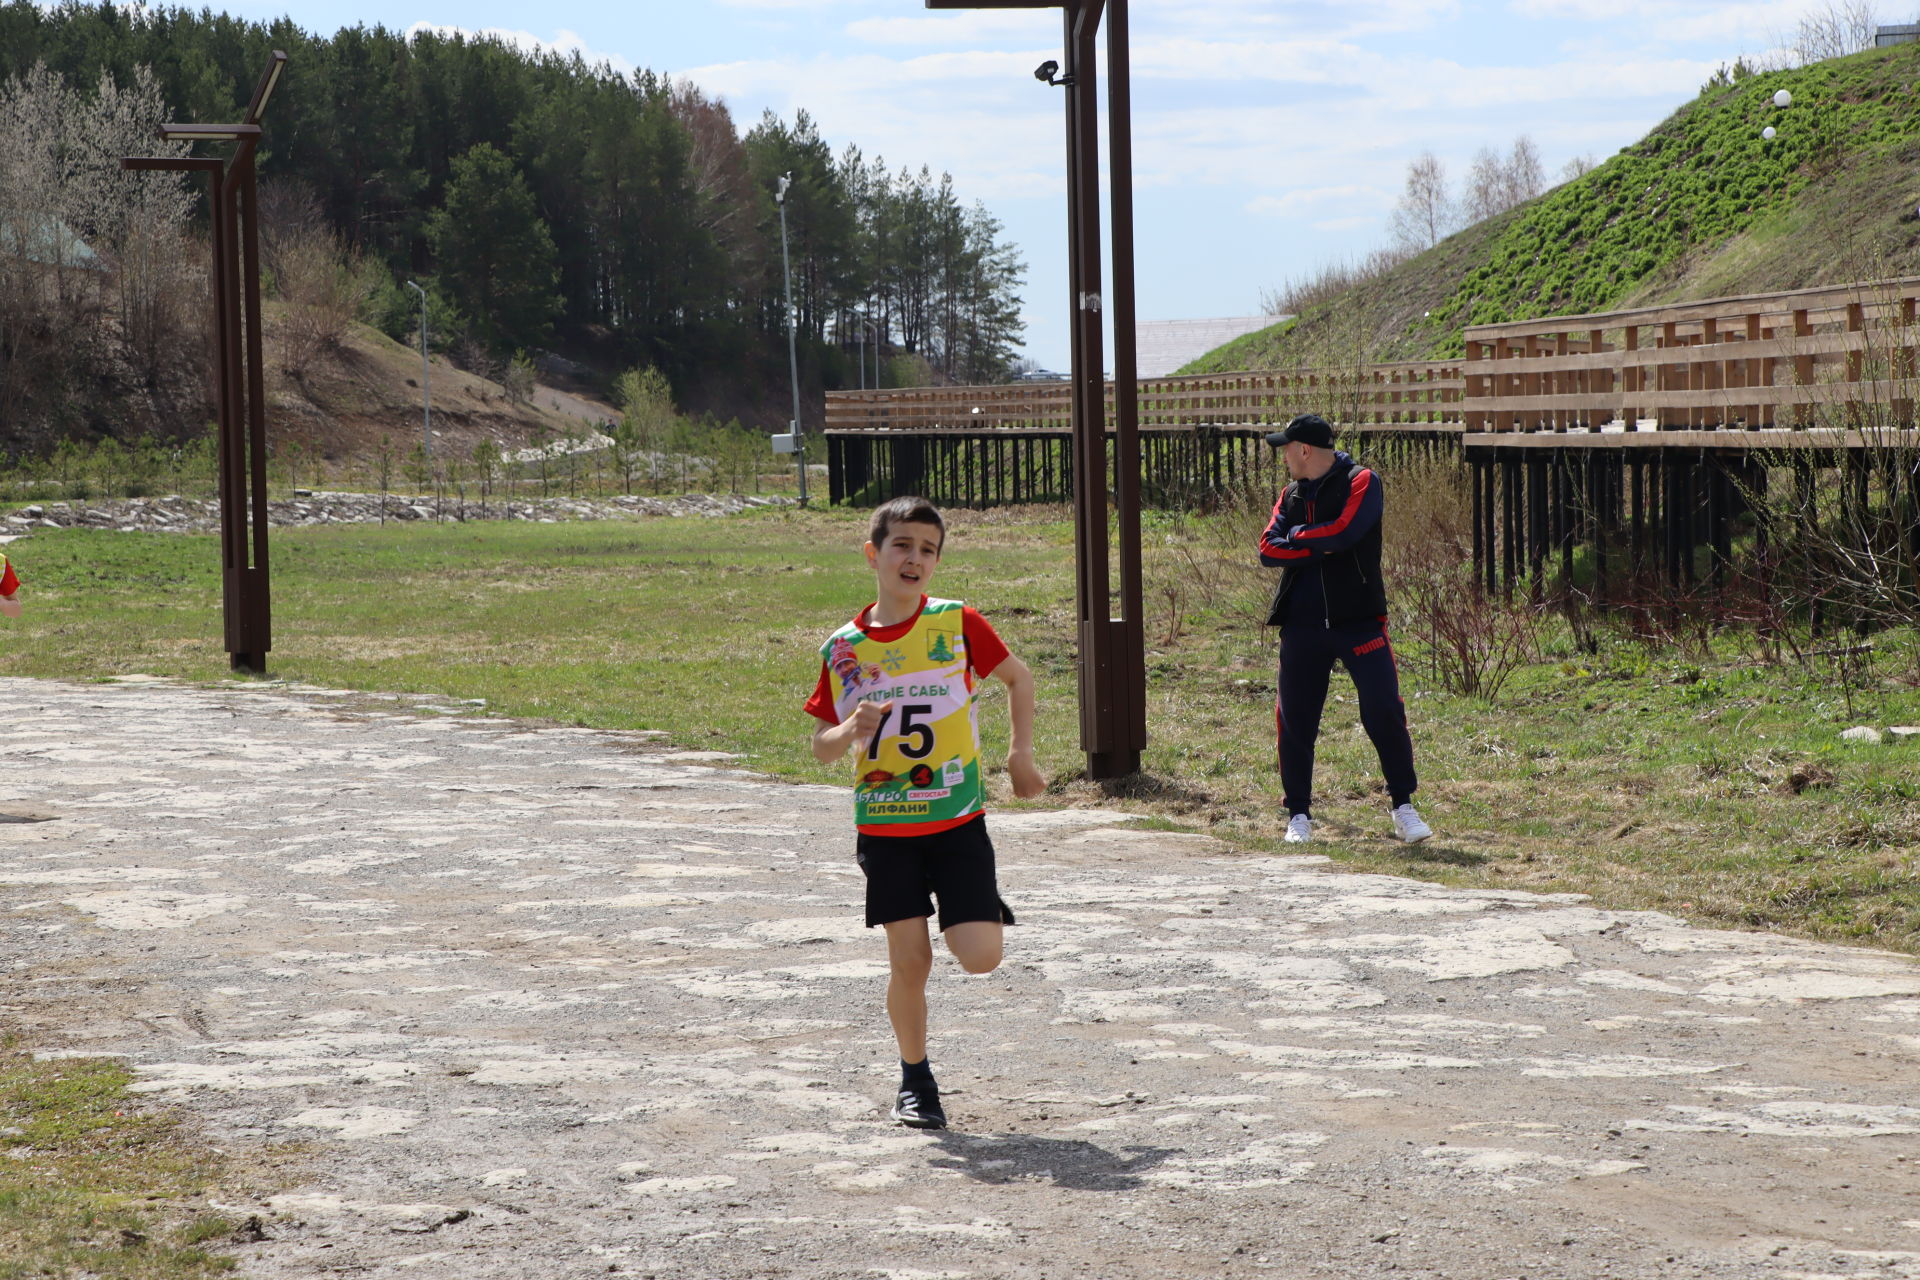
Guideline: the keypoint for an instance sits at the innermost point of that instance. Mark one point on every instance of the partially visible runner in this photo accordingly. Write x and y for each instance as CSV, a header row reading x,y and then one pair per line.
x,y
1331,606
9,588
897,685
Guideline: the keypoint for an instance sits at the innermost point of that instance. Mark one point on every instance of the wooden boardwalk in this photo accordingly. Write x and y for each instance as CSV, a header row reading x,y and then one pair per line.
x,y
1644,436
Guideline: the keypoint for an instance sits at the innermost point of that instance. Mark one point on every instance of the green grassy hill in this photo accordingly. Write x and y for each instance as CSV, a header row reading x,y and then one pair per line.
x,y
1701,207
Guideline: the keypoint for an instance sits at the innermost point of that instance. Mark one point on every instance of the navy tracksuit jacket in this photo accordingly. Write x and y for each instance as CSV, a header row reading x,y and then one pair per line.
x,y
1331,607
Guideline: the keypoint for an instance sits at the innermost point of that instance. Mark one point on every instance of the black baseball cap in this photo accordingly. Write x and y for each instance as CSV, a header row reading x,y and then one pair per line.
x,y
1308,428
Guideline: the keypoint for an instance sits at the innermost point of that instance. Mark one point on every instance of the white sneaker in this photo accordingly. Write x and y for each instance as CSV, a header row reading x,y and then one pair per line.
x,y
1299,829
1409,826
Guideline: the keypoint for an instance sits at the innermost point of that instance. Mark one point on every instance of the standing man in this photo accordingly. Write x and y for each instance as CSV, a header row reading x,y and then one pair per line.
x,y
1331,606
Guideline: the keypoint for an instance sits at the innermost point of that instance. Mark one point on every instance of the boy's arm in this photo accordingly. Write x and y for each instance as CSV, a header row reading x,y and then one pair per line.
x,y
1027,779
830,741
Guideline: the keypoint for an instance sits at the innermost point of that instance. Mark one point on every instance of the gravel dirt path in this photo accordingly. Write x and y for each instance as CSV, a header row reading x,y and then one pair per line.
x,y
547,1002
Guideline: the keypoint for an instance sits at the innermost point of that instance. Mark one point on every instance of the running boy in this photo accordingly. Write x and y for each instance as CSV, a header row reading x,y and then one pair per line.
x,y
897,685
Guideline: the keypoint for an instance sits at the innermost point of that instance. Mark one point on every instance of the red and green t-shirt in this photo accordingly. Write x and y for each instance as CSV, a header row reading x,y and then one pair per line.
x,y
921,772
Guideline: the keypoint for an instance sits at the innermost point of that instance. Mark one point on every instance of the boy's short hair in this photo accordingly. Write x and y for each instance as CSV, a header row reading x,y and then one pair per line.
x,y
904,510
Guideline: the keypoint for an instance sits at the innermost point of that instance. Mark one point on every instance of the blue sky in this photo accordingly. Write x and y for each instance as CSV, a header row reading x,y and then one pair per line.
x,y
1270,136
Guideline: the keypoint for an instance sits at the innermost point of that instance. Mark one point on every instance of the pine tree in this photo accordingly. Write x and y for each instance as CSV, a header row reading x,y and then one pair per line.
x,y
494,253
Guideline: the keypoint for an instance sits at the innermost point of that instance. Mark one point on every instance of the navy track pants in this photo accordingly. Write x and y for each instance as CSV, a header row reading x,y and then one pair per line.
x,y
1307,654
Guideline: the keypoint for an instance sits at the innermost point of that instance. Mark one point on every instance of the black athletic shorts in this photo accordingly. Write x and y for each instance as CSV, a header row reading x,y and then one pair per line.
x,y
906,873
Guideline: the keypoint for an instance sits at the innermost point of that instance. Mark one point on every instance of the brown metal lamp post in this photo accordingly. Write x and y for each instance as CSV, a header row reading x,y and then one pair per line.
x,y
1113,676
240,390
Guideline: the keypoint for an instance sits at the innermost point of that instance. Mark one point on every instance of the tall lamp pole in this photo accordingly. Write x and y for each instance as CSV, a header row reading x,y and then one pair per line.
x,y
240,397
1113,679
426,395
793,359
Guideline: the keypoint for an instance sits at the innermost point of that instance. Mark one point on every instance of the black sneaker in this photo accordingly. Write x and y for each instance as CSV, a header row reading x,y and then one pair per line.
x,y
918,1107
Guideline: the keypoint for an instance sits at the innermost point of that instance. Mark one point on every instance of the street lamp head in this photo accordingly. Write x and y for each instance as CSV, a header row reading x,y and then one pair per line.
x,y
263,92
416,288
785,180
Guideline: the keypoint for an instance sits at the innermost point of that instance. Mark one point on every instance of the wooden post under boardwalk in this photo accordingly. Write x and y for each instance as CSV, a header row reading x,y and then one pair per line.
x,y
239,388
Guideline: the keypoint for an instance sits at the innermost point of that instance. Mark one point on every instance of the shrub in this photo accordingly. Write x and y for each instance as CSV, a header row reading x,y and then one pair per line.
x,y
1470,640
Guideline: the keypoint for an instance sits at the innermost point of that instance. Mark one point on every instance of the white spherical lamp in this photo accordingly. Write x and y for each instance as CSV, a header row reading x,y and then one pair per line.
x,y
1783,99
1767,133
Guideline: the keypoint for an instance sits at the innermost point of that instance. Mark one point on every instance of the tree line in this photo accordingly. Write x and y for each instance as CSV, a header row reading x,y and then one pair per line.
x,y
547,202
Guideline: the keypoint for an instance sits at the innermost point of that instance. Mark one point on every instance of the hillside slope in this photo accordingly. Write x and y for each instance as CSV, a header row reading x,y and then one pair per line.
x,y
370,387
1701,207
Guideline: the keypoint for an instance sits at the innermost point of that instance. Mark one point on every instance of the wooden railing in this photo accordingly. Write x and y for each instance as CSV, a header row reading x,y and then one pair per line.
x,y
1836,356
1407,396
1841,356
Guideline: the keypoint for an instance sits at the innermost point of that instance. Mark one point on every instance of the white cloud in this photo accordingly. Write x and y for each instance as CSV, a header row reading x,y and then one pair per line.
x,y
973,114
964,27
1224,61
1303,199
1332,19
1738,24
1347,224
1414,83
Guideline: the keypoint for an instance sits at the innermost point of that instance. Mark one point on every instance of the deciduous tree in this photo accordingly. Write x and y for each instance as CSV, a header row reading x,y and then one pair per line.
x,y
1425,213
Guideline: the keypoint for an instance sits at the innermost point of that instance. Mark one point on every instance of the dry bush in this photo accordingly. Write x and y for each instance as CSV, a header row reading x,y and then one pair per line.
x,y
323,295
1470,640
1194,562
1841,545
288,213
1836,29
1328,282
162,281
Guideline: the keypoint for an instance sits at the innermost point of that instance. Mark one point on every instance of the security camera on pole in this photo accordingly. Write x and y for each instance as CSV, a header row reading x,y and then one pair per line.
x,y
794,442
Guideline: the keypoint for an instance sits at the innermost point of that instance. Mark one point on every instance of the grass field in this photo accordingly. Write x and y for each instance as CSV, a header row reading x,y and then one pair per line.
x,y
92,1186
1714,785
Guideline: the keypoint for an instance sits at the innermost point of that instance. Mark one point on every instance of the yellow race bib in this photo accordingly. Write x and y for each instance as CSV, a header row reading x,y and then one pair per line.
x,y
923,764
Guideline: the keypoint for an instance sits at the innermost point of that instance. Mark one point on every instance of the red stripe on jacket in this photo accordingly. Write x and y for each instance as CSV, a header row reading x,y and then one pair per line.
x,y
1271,550
1356,493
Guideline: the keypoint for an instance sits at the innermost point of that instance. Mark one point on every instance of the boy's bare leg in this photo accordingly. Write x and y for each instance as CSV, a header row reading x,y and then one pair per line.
x,y
910,959
976,945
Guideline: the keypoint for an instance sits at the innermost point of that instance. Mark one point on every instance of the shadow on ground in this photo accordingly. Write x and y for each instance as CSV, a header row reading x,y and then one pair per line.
x,y
1066,1162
